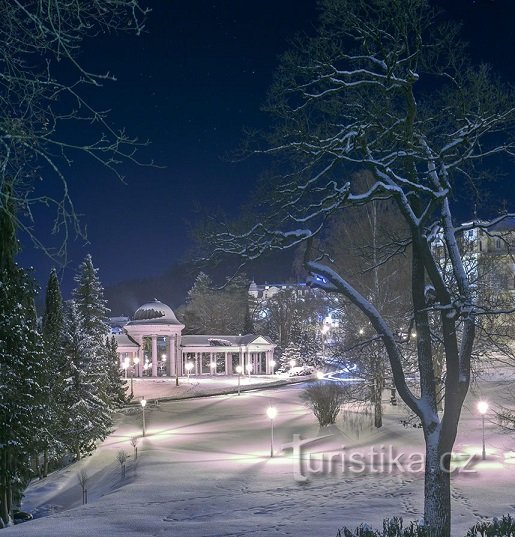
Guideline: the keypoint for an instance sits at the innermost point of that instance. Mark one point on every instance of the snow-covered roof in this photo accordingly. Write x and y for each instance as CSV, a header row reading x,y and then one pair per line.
x,y
123,340
221,341
154,312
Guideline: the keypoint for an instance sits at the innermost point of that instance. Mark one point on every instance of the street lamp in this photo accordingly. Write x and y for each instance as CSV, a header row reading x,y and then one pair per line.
x,y
271,412
189,367
239,370
482,406
143,403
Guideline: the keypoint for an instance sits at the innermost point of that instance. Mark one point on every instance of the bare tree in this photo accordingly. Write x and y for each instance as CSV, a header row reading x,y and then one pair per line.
x,y
384,86
121,457
83,478
44,89
134,444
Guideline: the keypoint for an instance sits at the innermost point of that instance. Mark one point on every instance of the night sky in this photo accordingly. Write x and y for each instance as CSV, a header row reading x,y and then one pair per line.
x,y
191,84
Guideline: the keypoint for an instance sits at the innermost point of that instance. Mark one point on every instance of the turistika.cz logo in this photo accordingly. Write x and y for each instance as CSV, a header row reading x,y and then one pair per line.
x,y
382,459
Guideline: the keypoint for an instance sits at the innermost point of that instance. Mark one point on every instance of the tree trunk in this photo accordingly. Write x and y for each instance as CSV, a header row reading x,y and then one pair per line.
x,y
45,462
437,491
378,403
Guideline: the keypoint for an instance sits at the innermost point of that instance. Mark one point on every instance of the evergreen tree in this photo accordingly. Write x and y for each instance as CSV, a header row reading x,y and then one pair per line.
x,y
90,302
23,412
56,372
291,352
216,311
90,418
92,311
117,384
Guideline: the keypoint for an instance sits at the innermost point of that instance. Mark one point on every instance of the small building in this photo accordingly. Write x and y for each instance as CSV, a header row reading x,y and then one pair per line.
x,y
152,343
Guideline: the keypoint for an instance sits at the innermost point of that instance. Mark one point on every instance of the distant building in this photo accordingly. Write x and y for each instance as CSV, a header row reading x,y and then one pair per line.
x,y
263,292
268,290
488,255
152,343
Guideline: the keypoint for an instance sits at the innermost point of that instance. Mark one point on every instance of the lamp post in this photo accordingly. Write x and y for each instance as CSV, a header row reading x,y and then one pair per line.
x,y
482,406
271,412
189,367
239,370
143,403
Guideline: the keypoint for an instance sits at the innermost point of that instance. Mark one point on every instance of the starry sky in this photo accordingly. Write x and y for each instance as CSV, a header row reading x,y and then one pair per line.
x,y
191,85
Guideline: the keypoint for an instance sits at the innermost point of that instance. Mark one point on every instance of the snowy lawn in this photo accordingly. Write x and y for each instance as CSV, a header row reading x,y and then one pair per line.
x,y
204,470
165,388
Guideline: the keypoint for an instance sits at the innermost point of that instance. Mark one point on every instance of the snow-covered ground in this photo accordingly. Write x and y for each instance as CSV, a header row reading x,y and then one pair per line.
x,y
204,470
165,387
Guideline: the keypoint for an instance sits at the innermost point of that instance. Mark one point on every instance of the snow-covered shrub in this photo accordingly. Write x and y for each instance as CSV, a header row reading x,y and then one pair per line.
x,y
503,527
391,528
325,400
301,371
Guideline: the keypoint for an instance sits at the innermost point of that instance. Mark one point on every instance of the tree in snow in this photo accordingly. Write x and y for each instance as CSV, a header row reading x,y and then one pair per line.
x,y
89,299
45,89
212,310
52,331
292,316
24,413
290,355
361,240
92,311
385,86
117,388
89,417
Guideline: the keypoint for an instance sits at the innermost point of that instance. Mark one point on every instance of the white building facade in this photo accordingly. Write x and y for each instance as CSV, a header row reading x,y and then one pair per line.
x,y
153,345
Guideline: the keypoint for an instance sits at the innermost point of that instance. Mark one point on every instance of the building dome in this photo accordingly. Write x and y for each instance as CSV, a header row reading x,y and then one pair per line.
x,y
154,313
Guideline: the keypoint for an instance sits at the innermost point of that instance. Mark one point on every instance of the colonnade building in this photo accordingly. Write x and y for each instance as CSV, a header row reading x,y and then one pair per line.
x,y
152,343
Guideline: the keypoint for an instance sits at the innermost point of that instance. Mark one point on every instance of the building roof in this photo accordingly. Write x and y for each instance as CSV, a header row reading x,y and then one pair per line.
x,y
220,341
506,224
123,340
154,312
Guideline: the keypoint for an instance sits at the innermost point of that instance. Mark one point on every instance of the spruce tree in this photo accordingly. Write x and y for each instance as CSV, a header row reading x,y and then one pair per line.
x,y
90,418
90,302
23,412
57,370
117,384
92,312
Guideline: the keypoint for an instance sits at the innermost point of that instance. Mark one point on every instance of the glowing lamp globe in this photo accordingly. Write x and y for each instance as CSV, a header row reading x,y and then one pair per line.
x,y
482,406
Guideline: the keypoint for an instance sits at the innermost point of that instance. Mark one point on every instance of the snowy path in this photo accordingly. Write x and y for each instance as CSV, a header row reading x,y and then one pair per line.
x,y
204,470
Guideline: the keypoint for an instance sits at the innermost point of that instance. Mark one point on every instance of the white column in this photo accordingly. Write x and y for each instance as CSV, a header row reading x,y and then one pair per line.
x,y
141,355
228,365
174,349
154,356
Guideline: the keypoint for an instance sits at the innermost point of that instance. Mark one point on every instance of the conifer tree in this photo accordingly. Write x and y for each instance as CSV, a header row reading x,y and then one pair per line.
x,y
23,412
117,384
92,312
90,302
57,370
90,418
